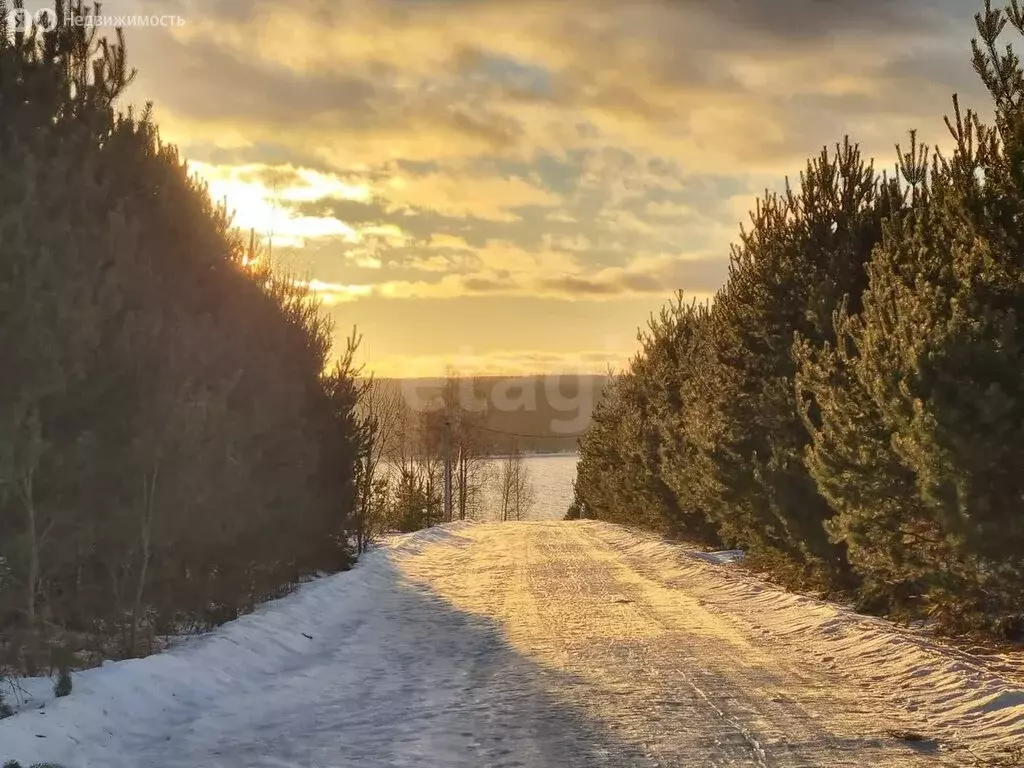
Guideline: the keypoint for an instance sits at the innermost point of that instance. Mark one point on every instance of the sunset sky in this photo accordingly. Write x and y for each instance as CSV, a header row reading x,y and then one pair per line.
x,y
514,186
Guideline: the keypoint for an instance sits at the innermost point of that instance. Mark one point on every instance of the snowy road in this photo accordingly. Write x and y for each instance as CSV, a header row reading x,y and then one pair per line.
x,y
505,645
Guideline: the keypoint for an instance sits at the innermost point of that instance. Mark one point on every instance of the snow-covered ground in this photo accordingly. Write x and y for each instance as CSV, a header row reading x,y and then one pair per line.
x,y
535,644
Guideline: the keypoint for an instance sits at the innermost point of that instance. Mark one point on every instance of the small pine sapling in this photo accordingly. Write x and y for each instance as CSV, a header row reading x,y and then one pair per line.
x,y
61,659
62,687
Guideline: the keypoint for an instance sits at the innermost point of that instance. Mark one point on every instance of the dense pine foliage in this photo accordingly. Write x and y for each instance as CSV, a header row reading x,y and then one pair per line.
x,y
172,449
850,407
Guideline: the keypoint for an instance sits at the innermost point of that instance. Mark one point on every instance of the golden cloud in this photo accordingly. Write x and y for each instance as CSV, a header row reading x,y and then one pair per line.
x,y
457,193
690,81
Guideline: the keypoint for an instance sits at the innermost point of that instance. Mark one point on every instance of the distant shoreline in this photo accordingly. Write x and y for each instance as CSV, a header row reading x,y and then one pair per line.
x,y
539,454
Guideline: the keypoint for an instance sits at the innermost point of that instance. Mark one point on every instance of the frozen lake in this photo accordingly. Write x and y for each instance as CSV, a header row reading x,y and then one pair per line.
x,y
552,478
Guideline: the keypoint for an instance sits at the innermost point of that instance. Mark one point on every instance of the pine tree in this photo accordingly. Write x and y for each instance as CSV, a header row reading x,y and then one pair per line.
x,y
608,471
673,351
890,540
58,230
927,403
171,450
805,250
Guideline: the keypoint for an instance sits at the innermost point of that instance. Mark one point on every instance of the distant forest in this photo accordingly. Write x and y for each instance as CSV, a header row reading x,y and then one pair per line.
x,y
542,414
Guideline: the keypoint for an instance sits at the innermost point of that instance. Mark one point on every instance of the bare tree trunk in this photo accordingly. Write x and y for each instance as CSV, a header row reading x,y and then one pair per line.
x,y
463,482
34,569
362,510
149,503
115,591
506,484
26,490
33,555
517,471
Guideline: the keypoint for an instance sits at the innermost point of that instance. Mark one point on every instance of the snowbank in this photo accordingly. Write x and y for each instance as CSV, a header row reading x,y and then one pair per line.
x,y
725,557
137,700
971,699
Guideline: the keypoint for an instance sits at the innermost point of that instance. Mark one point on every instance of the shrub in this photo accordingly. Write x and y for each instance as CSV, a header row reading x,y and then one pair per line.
x,y
62,687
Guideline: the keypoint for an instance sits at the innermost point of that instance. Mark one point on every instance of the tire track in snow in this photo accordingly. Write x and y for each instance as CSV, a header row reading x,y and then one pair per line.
x,y
515,645
571,601
755,745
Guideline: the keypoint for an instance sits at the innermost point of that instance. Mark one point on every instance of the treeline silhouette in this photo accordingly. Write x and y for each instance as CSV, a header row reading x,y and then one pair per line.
x,y
540,414
171,449
850,407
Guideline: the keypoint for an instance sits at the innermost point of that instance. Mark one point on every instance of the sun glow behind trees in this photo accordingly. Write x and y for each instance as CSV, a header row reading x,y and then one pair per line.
x,y
174,447
260,198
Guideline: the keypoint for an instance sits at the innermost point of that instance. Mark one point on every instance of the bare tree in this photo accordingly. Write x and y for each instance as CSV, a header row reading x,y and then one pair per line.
x,y
428,439
523,492
465,412
382,417
414,474
515,487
